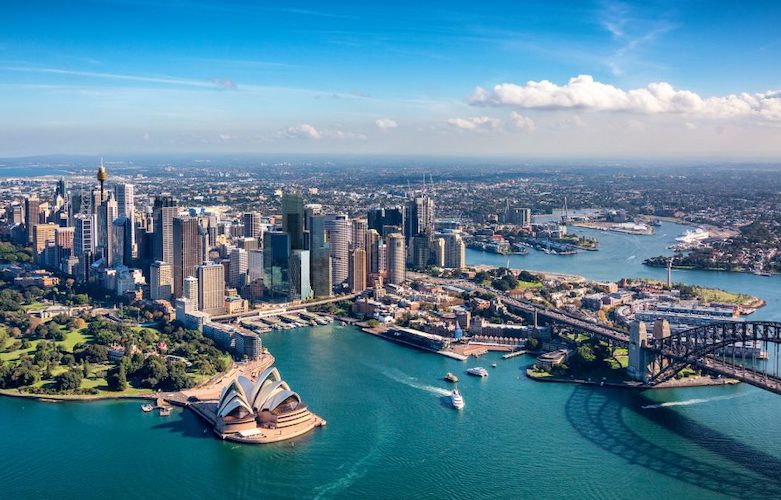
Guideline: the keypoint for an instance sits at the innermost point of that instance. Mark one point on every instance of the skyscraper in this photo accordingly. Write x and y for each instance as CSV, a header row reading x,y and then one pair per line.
x,y
252,225
438,252
276,264
43,235
338,232
64,239
379,218
120,253
164,211
32,215
359,229
420,217
358,270
161,281
455,251
238,268
186,250
372,251
190,291
300,287
107,212
320,255
126,208
396,258
84,237
211,288
293,220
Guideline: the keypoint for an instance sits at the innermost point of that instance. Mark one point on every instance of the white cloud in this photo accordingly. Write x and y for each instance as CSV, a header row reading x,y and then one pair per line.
x,y
307,131
522,122
475,123
303,131
386,123
583,92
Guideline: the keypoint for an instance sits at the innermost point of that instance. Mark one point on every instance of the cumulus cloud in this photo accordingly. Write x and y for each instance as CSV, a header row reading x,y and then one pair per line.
x,y
583,92
386,123
475,123
522,122
307,131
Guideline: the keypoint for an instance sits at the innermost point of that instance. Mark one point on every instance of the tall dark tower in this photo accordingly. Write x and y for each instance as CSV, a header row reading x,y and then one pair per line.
x,y
102,177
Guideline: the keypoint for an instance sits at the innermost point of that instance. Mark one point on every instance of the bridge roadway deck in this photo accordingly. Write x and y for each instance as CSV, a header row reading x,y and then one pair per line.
x,y
757,379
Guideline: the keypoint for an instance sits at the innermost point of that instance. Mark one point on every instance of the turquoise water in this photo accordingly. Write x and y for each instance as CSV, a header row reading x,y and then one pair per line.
x,y
391,433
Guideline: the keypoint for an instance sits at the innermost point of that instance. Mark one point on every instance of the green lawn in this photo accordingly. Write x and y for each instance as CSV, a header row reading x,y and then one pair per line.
x,y
15,355
72,338
528,285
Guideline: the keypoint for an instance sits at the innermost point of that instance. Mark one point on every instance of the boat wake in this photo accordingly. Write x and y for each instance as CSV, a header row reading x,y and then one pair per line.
x,y
631,257
405,379
690,402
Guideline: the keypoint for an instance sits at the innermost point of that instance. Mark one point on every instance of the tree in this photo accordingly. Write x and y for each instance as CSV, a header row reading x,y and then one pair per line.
x,y
68,381
117,379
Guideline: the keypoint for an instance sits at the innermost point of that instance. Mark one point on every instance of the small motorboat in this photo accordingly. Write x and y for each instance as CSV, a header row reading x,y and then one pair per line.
x,y
493,365
147,408
451,378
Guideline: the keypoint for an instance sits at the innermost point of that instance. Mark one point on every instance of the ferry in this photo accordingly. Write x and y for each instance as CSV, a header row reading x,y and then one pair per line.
x,y
478,371
451,378
456,400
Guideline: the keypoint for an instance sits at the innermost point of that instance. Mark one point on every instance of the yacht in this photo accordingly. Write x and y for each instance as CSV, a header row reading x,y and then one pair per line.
x,y
456,400
478,371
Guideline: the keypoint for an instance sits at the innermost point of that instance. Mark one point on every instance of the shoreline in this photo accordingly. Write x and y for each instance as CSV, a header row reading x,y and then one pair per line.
x,y
708,269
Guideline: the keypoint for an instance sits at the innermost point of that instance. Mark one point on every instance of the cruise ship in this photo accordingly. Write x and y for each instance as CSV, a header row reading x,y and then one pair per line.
x,y
695,236
478,371
456,400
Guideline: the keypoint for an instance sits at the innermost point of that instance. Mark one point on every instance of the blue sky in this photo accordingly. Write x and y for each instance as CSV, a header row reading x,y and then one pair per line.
x,y
660,79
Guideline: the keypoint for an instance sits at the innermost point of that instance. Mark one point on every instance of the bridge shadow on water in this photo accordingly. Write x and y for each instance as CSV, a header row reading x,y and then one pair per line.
x,y
598,416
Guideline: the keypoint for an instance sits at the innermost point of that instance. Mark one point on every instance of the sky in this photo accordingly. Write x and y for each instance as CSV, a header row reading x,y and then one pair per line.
x,y
520,79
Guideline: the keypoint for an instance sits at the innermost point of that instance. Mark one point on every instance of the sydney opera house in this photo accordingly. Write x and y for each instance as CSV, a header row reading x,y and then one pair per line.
x,y
262,411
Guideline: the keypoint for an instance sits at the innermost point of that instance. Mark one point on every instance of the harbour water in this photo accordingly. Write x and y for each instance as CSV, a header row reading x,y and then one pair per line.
x,y
391,432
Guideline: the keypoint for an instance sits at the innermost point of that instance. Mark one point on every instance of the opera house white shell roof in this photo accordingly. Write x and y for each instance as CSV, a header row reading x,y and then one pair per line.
x,y
245,397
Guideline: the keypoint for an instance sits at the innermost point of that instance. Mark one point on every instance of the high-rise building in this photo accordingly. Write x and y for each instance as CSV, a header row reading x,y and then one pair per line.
x,y
211,288
276,264
190,291
253,227
32,215
43,235
320,255
84,236
438,252
64,238
164,211
455,251
293,220
107,212
186,250
358,270
380,218
338,232
120,253
519,216
300,287
397,253
126,207
372,251
254,265
420,217
238,268
161,281
421,251
359,228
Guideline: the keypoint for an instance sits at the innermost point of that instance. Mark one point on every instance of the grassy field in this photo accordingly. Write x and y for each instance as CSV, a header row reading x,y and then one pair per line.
x,y
71,339
716,295
528,285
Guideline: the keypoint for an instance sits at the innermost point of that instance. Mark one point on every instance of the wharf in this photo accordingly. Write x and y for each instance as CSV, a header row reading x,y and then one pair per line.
x,y
380,333
514,354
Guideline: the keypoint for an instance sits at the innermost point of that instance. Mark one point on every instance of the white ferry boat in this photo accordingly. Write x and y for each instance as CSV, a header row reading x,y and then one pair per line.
x,y
478,371
456,400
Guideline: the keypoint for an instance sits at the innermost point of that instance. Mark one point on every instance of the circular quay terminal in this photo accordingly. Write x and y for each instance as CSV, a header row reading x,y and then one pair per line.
x,y
390,250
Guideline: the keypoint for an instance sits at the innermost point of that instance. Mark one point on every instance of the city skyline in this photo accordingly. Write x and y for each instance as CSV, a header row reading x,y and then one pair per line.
x,y
598,80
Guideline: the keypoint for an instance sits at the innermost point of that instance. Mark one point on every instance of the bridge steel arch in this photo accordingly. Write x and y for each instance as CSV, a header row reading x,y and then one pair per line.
x,y
699,346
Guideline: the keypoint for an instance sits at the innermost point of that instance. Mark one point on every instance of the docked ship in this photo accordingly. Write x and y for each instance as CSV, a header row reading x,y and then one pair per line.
x,y
478,371
691,237
456,400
